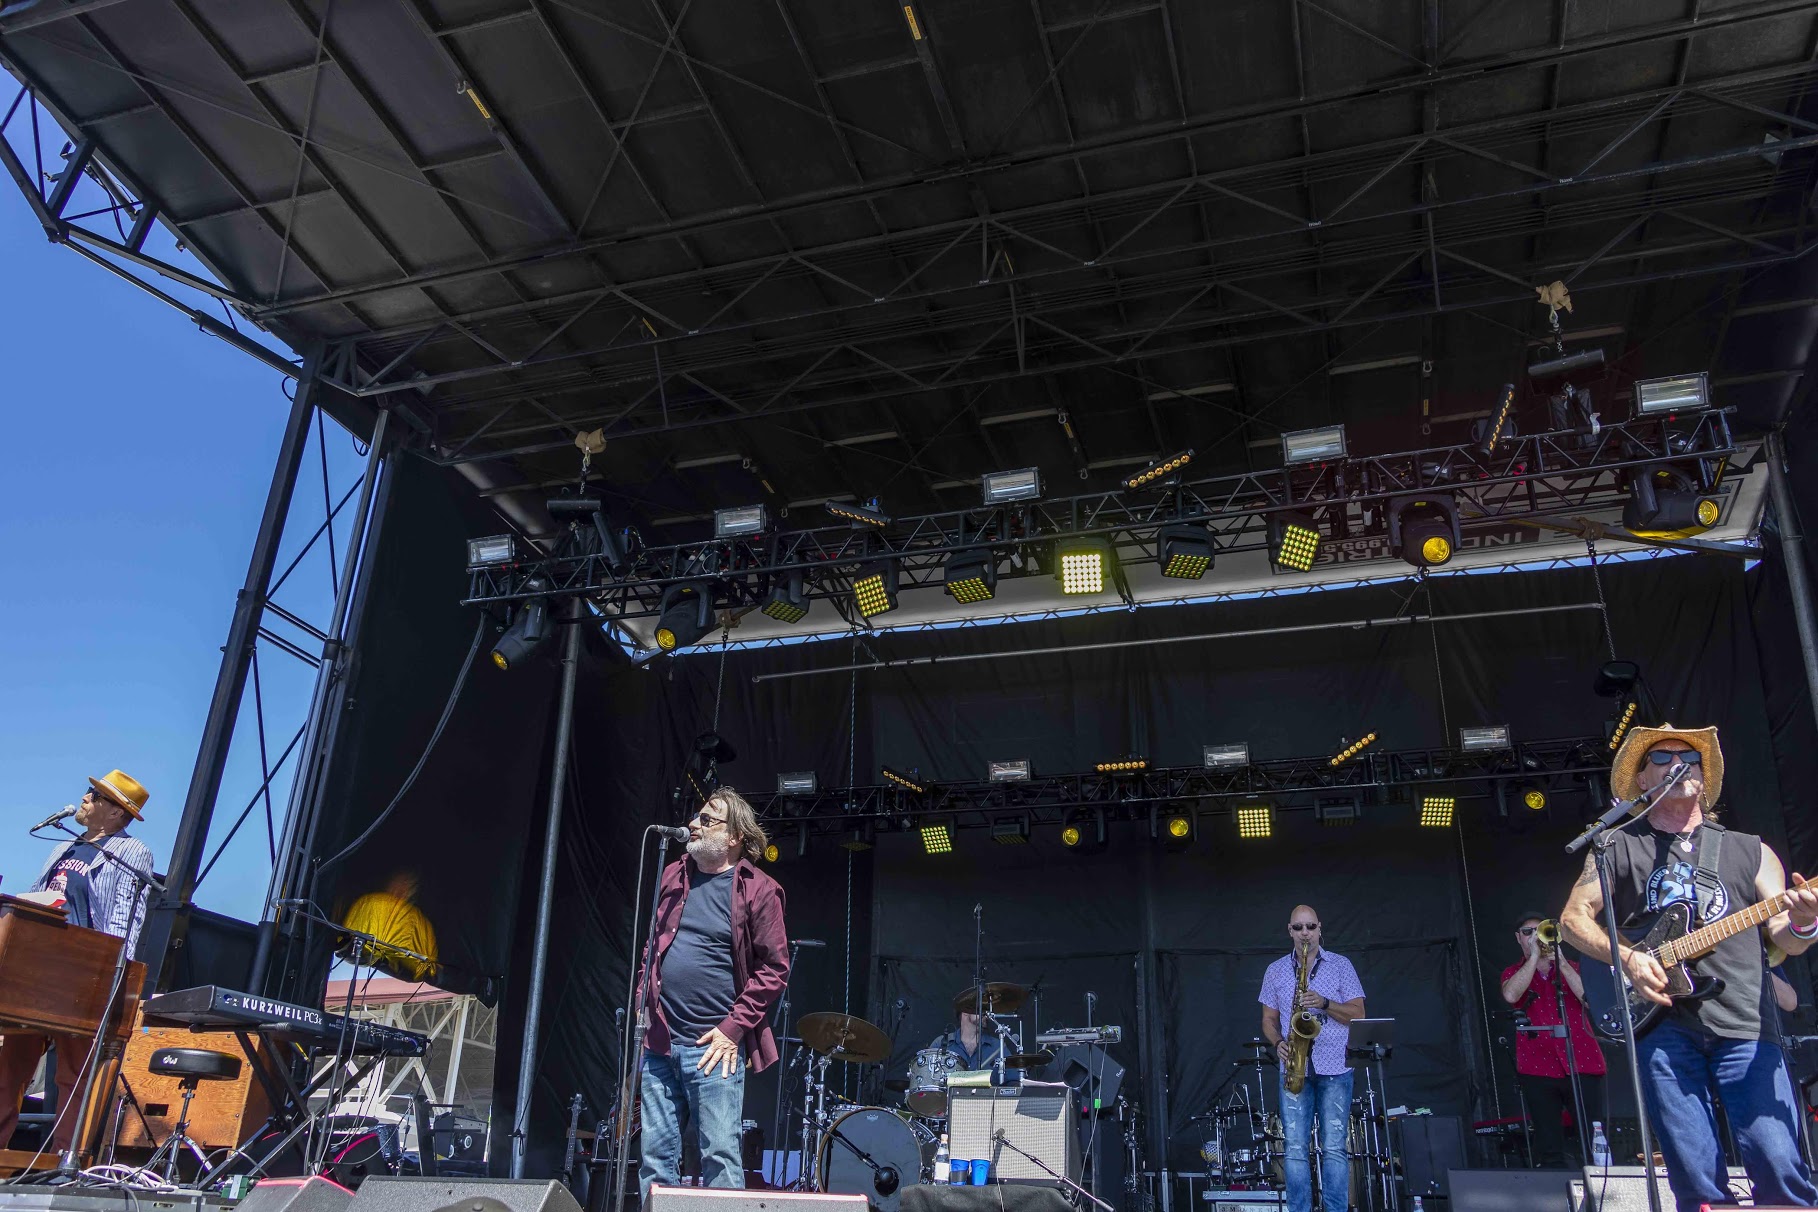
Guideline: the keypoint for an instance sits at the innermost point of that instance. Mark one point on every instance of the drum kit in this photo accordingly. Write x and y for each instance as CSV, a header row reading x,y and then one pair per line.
x,y
877,1151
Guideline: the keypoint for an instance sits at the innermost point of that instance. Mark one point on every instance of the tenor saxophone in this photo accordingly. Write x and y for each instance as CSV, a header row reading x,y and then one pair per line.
x,y
1303,1026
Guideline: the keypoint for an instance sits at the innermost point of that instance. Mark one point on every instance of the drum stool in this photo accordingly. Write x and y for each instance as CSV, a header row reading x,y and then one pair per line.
x,y
191,1065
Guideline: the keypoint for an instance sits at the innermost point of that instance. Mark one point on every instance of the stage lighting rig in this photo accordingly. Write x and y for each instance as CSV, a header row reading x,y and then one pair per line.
x,y
687,615
1532,795
1323,445
1436,811
1486,739
971,576
1255,820
874,589
937,836
1664,503
492,550
1159,469
1185,551
1669,396
786,602
1010,830
912,781
1424,531
1127,765
609,545
1083,830
1293,541
1083,565
801,782
1491,430
1619,728
1226,757
1174,826
1337,809
740,521
859,515
1010,771
1003,487
1352,750
527,631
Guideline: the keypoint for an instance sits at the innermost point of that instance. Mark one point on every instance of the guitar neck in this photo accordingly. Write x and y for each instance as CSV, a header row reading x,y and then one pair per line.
x,y
1705,938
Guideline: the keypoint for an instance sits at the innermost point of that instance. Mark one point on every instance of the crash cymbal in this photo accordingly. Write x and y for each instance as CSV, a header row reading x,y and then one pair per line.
x,y
844,1037
1028,1060
1001,997
1258,1045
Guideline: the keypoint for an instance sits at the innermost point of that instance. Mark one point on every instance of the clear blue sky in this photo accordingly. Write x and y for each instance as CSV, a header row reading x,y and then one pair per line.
x,y
138,454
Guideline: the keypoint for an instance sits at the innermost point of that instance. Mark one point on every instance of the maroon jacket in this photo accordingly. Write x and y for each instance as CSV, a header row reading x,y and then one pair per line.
x,y
760,959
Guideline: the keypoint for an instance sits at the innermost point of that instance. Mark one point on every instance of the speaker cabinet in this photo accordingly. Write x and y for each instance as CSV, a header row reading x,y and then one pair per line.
x,y
1431,1147
705,1199
384,1193
1512,1190
313,1194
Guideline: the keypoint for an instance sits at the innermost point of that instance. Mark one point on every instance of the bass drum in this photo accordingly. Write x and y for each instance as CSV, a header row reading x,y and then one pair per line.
x,y
891,1143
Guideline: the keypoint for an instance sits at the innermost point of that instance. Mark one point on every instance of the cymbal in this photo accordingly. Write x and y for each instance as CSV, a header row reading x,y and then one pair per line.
x,y
844,1037
1028,1060
1000,996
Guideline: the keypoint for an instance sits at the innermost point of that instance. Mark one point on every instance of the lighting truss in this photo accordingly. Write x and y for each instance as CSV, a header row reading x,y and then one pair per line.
x,y
1530,475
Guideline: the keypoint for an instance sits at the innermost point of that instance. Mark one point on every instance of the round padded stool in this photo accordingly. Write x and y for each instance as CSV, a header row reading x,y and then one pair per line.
x,y
195,1064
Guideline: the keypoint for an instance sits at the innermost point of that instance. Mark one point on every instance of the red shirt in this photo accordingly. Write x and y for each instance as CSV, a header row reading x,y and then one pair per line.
x,y
760,959
1545,1055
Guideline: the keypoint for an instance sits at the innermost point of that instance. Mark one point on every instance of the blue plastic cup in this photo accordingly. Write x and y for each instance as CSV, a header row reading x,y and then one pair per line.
x,y
981,1171
959,1172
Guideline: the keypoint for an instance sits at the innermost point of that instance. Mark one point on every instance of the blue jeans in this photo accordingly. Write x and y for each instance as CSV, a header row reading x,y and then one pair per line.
x,y
673,1093
1680,1069
1329,1097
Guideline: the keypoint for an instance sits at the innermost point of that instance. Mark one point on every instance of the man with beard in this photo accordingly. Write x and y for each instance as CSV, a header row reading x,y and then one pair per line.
x,y
722,960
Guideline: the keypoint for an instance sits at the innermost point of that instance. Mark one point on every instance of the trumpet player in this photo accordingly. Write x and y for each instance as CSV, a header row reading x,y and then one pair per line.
x,y
1539,986
1312,992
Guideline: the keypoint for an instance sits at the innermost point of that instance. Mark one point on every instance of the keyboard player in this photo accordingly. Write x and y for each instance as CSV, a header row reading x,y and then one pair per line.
x,y
100,895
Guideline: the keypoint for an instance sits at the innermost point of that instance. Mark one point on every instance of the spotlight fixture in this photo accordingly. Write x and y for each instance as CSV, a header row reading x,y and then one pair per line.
x,y
1353,749
1436,811
1008,772
743,520
1424,531
771,852
528,630
801,782
1489,431
686,615
937,837
1321,445
1532,795
971,576
1002,487
1083,565
1185,551
1615,679
908,782
1255,819
1485,739
1293,541
1129,765
1158,469
610,544
874,590
1222,757
1083,830
1337,810
1010,830
1174,826
1665,504
493,549
1620,727
786,602
859,515
1680,393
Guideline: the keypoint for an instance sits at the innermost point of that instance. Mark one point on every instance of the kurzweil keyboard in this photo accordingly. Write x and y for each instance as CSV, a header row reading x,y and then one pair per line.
x,y
212,1008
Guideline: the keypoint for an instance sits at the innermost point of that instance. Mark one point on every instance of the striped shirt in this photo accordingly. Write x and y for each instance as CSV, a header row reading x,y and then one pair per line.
x,y
118,902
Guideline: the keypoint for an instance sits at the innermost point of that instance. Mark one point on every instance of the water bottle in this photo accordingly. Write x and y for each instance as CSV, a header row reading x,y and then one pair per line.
x,y
1418,1206
942,1171
1600,1145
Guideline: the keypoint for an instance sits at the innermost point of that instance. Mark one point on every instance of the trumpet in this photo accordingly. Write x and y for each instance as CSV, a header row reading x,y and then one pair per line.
x,y
1546,937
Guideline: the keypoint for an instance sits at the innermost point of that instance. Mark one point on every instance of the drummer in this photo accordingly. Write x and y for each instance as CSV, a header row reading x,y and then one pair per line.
x,y
967,1041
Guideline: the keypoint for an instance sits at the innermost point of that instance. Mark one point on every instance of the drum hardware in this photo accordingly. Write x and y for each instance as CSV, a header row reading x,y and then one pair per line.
x,y
1055,1037
927,1082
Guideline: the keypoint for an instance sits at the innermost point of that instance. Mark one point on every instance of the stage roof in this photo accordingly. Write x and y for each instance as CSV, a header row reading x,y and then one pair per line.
x,y
782,252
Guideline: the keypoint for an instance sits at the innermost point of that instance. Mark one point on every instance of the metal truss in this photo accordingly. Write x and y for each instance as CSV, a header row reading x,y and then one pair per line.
x,y
1046,800
1533,475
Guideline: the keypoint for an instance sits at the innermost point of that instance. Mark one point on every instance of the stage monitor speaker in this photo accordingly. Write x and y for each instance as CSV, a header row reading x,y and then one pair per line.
x,y
1512,1190
1625,1188
1431,1147
313,1194
383,1193
706,1199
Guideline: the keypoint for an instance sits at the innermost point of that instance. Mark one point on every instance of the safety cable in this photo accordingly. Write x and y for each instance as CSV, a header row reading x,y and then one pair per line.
x,y
1603,606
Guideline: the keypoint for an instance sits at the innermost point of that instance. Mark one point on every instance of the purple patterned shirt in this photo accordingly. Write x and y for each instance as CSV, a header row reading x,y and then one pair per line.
x,y
1334,978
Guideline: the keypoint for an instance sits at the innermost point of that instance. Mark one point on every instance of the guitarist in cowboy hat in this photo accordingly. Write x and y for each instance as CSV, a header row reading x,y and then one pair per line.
x,y
1723,1047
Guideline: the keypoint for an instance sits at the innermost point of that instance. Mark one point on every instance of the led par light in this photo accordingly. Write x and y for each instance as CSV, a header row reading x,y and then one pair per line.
x,y
1129,765
1532,795
874,590
1352,750
971,576
1293,541
1184,551
1083,565
1158,470
1424,531
686,615
786,602
1255,819
908,782
1083,830
937,837
1174,826
1436,811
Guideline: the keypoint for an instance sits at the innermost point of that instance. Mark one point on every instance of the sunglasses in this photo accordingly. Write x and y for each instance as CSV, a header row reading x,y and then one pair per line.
x,y
1527,929
708,820
1666,757
1297,927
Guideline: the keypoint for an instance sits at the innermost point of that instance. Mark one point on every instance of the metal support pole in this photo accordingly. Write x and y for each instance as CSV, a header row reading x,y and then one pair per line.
x,y
289,876
552,837
1792,550
165,922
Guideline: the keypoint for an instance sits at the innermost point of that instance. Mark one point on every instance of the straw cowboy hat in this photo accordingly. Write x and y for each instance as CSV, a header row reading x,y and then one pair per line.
x,y
124,790
1627,764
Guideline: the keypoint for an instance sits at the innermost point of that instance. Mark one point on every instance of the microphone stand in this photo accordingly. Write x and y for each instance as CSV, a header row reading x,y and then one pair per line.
x,y
782,1070
1564,1030
1599,835
631,1055
67,1161
999,1138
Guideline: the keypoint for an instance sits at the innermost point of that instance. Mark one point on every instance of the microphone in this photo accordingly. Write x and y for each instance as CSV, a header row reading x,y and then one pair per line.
x,y
808,942
61,814
978,909
998,1135
886,1180
293,902
674,833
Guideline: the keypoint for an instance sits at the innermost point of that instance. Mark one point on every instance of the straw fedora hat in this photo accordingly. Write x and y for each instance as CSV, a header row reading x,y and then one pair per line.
x,y
1626,766
124,790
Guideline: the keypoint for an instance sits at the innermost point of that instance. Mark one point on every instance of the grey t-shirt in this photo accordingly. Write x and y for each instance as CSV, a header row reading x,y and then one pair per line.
x,y
697,968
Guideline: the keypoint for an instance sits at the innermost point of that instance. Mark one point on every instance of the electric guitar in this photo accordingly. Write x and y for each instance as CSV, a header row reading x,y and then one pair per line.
x,y
1668,937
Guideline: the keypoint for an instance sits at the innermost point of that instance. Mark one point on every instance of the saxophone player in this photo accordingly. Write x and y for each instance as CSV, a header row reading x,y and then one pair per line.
x,y
1322,989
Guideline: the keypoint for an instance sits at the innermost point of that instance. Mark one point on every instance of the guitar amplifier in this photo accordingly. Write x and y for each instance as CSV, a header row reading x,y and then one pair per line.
x,y
1036,1117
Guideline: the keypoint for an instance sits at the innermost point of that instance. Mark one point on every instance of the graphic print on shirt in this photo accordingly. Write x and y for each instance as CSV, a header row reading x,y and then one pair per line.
x,y
1676,883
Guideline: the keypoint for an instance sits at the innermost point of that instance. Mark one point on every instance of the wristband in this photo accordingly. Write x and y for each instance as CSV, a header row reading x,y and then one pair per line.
x,y
1808,932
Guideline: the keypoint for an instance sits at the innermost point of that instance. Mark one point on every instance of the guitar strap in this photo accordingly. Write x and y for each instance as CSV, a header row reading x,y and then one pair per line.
x,y
1705,877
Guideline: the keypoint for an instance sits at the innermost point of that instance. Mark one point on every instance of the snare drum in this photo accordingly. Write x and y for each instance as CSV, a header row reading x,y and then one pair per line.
x,y
928,1081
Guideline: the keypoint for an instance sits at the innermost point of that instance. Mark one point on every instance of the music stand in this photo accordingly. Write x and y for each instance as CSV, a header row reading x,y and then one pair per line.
x,y
1370,1043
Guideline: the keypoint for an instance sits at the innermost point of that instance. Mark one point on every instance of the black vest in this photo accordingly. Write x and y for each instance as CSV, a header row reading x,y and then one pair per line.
x,y
1650,870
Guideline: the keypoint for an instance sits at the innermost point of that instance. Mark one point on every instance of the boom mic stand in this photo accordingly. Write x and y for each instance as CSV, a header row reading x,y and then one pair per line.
x,y
637,1026
1564,1030
1598,835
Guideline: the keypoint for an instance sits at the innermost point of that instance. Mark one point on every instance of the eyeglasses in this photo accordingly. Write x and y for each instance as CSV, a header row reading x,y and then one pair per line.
x,y
1666,757
707,819
1299,926
1527,929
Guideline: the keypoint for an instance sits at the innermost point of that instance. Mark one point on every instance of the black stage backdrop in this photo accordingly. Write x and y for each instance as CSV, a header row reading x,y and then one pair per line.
x,y
1172,944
